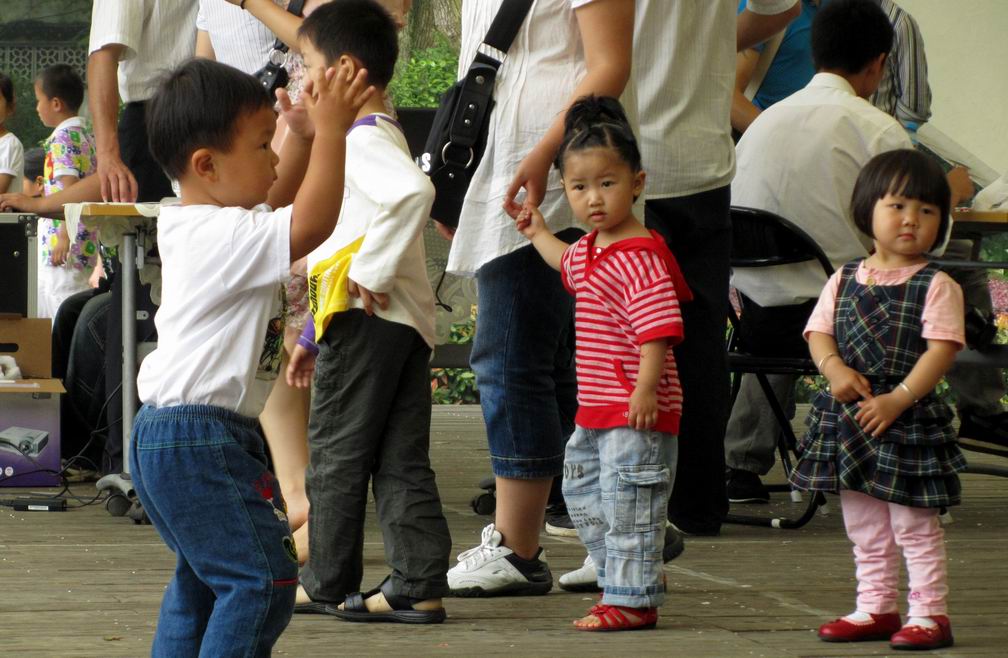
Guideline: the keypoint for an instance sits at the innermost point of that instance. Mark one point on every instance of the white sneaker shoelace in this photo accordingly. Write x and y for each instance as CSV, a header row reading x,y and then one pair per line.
x,y
488,548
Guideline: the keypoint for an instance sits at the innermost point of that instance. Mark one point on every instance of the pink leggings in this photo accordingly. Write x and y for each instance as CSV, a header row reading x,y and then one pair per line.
x,y
877,528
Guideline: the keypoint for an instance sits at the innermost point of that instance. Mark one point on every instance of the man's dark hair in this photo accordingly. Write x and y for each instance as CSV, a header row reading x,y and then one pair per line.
x,y
905,172
7,89
360,28
847,35
63,82
197,106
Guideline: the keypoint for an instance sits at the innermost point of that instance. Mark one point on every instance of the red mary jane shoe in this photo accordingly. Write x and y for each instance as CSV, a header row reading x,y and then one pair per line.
x,y
881,627
920,638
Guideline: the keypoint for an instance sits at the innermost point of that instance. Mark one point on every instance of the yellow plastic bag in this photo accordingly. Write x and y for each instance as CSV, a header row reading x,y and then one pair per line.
x,y
327,286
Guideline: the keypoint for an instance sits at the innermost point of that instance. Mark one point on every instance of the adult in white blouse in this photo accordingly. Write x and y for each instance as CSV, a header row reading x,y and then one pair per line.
x,y
685,102
523,349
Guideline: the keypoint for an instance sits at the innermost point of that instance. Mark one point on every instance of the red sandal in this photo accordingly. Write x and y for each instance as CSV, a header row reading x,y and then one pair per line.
x,y
614,618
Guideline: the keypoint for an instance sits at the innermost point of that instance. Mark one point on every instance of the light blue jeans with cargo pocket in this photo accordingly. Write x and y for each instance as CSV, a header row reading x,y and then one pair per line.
x,y
617,483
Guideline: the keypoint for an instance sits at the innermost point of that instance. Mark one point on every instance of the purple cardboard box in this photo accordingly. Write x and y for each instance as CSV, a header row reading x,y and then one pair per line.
x,y
29,408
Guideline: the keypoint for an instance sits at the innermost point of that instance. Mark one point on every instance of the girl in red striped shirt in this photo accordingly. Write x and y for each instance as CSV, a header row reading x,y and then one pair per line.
x,y
620,462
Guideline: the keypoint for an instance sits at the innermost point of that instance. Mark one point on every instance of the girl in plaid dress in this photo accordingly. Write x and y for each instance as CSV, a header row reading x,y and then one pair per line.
x,y
885,330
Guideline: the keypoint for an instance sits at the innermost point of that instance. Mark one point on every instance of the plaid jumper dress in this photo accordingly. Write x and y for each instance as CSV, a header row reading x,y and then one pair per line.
x,y
916,461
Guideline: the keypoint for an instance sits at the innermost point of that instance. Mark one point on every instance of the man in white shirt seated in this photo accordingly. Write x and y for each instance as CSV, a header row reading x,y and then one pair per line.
x,y
799,159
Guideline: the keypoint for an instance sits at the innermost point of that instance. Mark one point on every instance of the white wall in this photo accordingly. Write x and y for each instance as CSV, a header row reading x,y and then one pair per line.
x,y
967,52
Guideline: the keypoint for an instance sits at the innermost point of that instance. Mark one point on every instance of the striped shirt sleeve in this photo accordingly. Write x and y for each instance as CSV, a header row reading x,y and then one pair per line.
x,y
116,22
650,299
566,268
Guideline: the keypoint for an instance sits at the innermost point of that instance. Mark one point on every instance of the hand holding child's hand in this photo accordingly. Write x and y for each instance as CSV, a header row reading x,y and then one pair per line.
x,y
58,255
332,103
531,176
295,115
301,367
847,384
877,414
530,221
368,297
643,414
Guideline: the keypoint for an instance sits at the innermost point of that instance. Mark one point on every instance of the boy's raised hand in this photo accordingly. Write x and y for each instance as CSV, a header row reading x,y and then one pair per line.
x,y
295,115
332,103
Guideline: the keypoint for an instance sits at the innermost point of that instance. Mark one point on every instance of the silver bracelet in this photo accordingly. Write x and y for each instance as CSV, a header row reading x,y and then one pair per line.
x,y
823,360
908,390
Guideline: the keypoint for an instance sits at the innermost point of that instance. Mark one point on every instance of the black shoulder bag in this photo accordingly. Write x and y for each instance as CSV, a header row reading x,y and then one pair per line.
x,y
458,134
273,75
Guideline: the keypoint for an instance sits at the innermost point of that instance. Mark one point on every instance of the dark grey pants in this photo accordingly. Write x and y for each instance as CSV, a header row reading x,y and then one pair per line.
x,y
370,420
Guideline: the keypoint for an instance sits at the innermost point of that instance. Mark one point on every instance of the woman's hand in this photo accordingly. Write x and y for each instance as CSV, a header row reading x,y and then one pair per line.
x,y
530,221
531,176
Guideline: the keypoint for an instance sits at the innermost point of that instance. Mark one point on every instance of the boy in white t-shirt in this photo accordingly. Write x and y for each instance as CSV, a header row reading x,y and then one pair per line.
x,y
373,309
198,461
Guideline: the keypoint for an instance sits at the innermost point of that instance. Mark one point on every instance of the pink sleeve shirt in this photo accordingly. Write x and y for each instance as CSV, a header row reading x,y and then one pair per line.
x,y
943,317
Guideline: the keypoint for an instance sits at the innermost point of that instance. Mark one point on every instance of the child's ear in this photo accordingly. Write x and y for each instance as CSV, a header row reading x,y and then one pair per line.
x,y
348,66
638,183
202,164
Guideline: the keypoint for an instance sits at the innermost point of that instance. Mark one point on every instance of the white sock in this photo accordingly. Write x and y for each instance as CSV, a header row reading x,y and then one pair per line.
x,y
858,617
923,622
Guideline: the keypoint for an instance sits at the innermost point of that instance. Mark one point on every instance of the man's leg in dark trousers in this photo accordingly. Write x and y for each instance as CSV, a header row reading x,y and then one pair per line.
x,y
697,229
414,529
357,375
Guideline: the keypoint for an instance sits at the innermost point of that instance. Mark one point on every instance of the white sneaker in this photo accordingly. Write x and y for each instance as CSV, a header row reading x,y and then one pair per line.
x,y
584,579
494,570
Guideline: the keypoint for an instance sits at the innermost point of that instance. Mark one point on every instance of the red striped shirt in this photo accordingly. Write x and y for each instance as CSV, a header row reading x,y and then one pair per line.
x,y
625,296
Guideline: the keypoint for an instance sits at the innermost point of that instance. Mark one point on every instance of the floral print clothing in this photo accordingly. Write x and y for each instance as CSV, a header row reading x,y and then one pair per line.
x,y
70,151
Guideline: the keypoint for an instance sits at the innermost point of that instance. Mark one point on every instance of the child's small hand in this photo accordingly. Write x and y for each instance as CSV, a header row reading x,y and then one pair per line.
x,y
368,297
643,414
301,367
877,414
847,384
97,274
333,101
530,221
58,255
295,115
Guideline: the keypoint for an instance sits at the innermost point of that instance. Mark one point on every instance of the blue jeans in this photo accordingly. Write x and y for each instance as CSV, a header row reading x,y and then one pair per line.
x,y
201,475
523,357
617,483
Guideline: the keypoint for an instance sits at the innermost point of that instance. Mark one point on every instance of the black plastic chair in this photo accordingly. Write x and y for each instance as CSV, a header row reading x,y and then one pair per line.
x,y
763,239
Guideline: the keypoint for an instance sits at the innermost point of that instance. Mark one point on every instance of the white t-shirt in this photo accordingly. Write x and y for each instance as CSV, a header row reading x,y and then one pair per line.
x,y
158,35
220,324
12,160
237,37
800,159
387,199
534,84
684,70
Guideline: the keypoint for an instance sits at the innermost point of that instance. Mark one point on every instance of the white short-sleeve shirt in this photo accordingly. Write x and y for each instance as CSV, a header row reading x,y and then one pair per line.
x,y
12,160
800,159
220,325
534,84
158,36
684,70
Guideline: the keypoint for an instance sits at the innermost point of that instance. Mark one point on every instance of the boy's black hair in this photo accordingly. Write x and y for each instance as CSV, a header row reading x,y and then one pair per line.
x,y
7,88
905,172
594,121
360,28
34,163
63,82
197,106
847,35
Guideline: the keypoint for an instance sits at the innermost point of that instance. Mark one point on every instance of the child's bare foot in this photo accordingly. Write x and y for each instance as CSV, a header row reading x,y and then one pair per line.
x,y
301,541
603,617
301,596
378,603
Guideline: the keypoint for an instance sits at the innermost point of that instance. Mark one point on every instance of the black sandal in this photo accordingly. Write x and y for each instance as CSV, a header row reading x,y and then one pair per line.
x,y
402,610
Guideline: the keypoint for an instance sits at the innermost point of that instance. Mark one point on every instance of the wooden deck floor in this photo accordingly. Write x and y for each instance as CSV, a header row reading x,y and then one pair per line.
x,y
83,583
